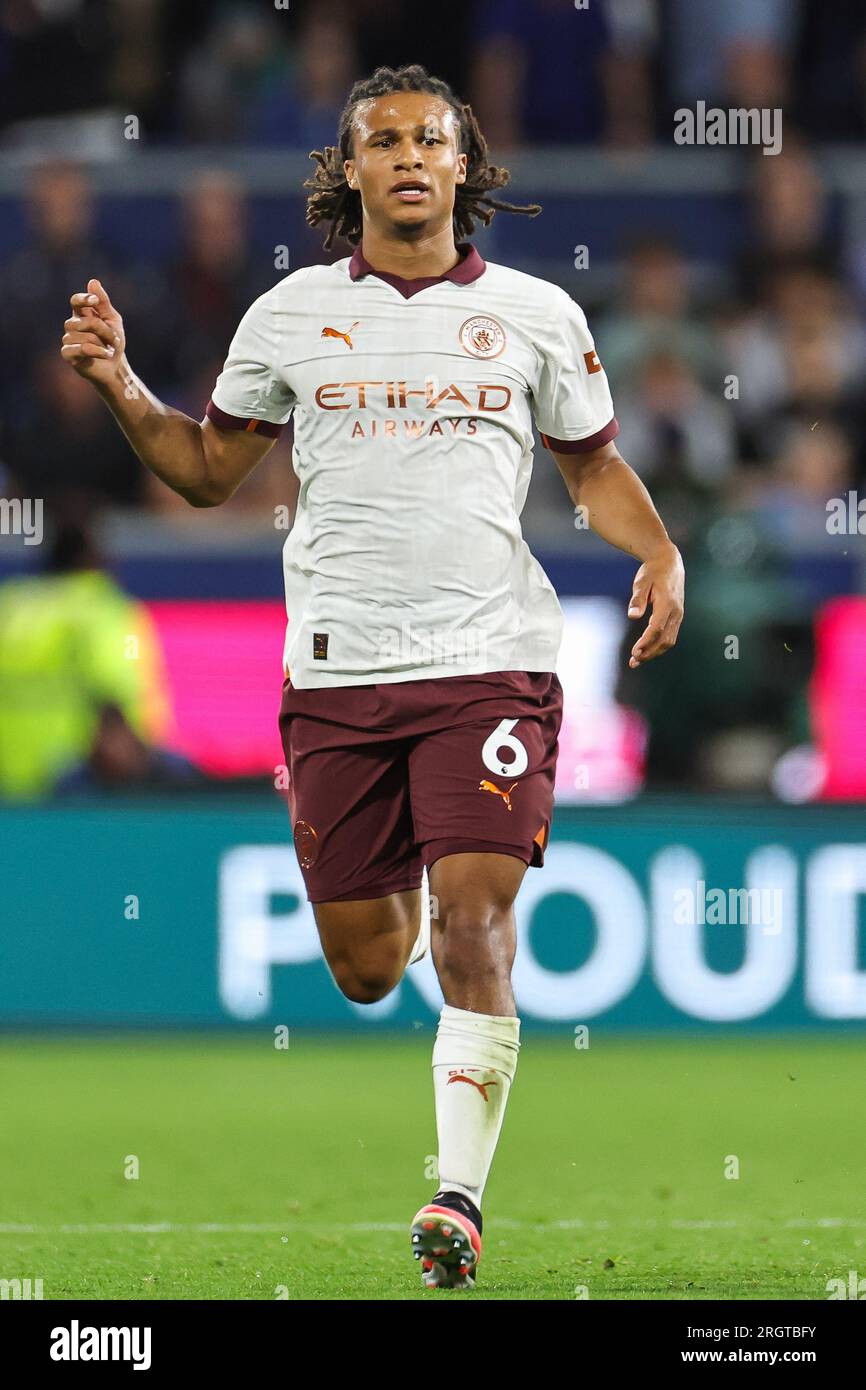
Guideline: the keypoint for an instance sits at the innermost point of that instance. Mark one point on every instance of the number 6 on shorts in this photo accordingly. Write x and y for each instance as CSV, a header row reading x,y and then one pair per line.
x,y
502,737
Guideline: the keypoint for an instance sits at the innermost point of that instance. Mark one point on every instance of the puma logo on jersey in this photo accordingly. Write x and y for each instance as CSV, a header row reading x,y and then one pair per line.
x,y
479,1085
486,786
335,333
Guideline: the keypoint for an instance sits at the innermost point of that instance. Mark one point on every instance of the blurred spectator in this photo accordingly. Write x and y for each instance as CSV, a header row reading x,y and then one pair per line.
x,y
271,77
790,202
675,434
207,290
62,440
136,79
789,216
539,71
62,253
71,643
228,70
656,315
36,282
741,665
801,353
303,102
813,466
737,53
118,759
213,280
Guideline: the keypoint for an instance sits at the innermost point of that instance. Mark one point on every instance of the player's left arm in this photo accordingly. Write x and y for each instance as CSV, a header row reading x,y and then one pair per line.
x,y
619,509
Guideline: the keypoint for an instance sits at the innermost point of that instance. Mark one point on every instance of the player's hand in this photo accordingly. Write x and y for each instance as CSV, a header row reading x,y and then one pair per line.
x,y
659,584
94,341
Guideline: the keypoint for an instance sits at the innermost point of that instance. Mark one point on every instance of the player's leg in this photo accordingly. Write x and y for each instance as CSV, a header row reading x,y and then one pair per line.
x,y
353,834
476,938
482,801
475,1053
368,942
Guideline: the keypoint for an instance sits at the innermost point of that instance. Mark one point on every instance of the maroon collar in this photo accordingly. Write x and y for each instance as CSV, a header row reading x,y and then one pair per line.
x,y
467,269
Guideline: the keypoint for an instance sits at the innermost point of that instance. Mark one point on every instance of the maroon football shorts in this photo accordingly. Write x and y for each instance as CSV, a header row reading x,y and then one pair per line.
x,y
386,778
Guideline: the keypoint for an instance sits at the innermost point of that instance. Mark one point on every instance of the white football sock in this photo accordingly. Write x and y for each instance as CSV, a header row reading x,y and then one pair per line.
x,y
422,941
474,1061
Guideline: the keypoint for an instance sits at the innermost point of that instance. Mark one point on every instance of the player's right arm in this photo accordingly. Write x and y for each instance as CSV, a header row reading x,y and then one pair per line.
x,y
198,460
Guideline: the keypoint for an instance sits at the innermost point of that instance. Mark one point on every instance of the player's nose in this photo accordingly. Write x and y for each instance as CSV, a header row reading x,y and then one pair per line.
x,y
406,156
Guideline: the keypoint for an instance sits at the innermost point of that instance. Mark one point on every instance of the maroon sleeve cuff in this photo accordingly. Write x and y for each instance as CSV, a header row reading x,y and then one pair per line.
x,y
582,446
235,422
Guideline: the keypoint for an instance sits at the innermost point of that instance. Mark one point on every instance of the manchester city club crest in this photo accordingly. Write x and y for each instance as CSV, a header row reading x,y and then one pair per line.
x,y
482,336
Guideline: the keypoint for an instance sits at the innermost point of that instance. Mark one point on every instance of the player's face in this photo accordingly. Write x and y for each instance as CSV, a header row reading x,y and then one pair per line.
x,y
406,138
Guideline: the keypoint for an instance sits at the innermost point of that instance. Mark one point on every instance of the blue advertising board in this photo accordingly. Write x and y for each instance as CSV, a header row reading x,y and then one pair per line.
x,y
654,915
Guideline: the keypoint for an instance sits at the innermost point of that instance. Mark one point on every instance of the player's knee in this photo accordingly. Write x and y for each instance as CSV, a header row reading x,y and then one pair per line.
x,y
363,985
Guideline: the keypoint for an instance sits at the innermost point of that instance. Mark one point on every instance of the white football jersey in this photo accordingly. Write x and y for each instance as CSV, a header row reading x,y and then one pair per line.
x,y
413,403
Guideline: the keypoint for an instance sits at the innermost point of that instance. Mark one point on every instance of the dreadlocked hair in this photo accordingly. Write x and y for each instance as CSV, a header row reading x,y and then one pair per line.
x,y
334,202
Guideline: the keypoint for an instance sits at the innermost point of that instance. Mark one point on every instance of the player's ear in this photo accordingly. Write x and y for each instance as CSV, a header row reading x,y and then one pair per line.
x,y
349,171
461,168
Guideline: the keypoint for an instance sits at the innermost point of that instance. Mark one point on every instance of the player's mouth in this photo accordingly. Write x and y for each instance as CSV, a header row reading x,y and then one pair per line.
x,y
410,191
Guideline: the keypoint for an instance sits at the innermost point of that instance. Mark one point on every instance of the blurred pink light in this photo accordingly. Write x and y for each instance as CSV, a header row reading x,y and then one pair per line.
x,y
223,663
838,697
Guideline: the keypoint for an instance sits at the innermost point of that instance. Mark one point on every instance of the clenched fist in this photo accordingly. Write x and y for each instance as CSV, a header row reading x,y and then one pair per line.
x,y
94,341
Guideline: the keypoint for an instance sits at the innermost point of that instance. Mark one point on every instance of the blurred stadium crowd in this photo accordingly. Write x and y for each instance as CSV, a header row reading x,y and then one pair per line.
x,y
784,315
236,71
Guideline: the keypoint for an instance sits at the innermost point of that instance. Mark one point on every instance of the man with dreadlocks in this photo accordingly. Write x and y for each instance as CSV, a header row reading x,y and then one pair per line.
x,y
421,708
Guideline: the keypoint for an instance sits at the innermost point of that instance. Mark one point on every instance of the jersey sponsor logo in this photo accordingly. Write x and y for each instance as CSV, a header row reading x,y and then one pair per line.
x,y
366,395
320,646
413,429
592,362
344,337
485,786
481,336
479,1085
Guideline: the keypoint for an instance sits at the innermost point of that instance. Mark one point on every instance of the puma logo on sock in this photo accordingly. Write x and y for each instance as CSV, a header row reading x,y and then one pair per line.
x,y
479,1085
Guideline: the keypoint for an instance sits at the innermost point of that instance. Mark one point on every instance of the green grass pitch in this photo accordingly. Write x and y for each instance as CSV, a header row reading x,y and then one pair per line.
x,y
295,1173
